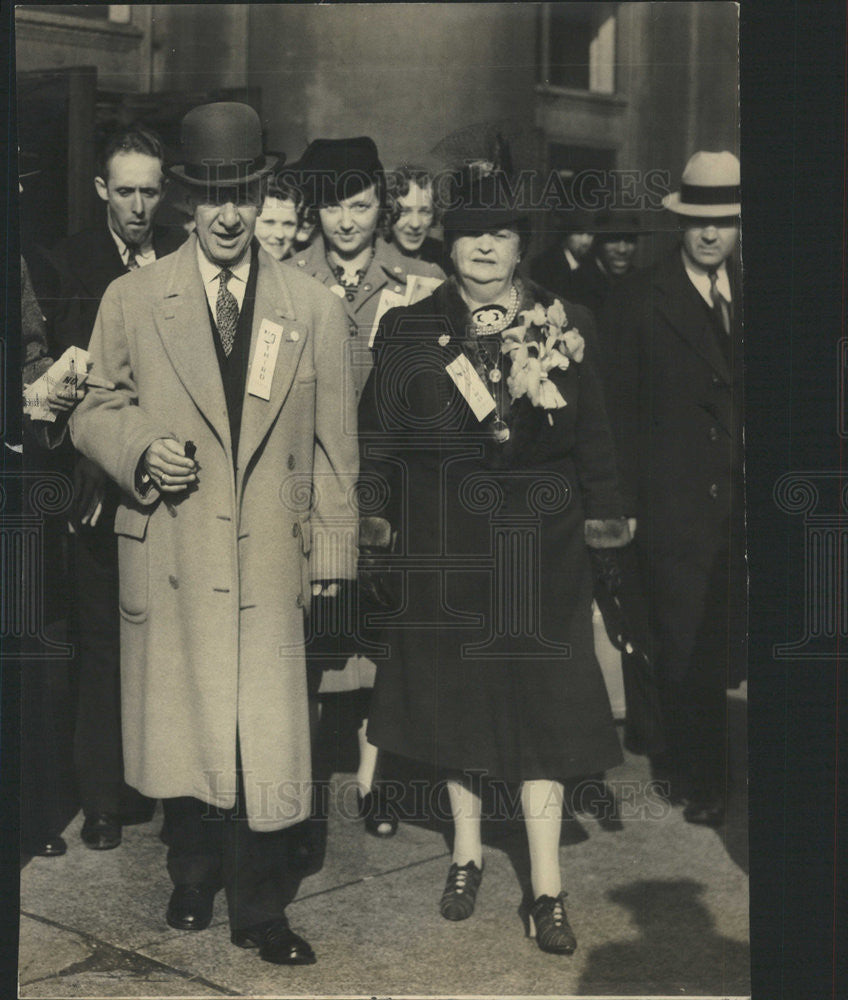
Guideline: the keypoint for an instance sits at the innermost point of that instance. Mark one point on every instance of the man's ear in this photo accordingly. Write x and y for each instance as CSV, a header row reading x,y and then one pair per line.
x,y
101,189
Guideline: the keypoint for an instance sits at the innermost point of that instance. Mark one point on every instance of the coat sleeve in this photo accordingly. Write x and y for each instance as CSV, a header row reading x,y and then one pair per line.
x,y
380,473
336,455
108,426
594,451
622,373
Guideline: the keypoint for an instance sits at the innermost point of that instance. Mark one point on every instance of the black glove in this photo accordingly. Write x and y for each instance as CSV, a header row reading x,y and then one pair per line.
x,y
330,624
375,540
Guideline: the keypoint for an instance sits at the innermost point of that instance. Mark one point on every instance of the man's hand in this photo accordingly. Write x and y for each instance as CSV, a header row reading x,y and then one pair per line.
x,y
89,487
169,469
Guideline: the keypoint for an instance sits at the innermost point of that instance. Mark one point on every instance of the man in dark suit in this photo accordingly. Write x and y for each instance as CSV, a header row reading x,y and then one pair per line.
x,y
131,183
672,344
556,267
610,259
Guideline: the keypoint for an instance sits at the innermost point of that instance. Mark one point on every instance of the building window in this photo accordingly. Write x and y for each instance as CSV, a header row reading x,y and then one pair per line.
x,y
576,46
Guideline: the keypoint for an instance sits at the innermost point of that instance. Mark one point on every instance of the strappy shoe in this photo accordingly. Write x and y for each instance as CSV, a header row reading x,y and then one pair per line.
x,y
548,924
460,893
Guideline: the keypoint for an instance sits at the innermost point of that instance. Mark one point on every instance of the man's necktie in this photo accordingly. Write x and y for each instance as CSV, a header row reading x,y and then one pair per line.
x,y
132,259
721,307
226,309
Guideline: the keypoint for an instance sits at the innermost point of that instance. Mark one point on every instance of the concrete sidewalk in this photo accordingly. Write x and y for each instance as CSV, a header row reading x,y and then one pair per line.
x,y
659,907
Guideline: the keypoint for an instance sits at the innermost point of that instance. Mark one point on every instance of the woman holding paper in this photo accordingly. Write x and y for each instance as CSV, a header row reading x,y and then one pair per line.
x,y
486,451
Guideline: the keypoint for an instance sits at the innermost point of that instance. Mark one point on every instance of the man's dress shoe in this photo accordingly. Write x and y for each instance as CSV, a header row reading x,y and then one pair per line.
x,y
51,846
276,942
190,907
101,831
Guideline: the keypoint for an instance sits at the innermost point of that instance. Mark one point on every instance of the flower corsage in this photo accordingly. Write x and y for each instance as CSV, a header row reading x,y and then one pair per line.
x,y
542,342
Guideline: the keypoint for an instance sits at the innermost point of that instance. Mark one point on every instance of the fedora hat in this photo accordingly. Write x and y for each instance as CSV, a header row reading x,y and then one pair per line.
x,y
709,187
331,170
221,145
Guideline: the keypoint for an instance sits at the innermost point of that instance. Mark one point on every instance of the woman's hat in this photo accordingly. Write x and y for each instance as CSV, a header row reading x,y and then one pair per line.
x,y
331,170
709,187
220,146
479,198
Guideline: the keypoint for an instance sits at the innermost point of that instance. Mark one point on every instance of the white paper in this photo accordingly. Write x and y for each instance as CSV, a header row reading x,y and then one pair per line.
x,y
70,369
265,359
471,386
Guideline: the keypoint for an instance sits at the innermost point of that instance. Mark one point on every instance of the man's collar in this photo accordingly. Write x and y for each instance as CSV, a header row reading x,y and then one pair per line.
x,y
700,277
210,271
145,250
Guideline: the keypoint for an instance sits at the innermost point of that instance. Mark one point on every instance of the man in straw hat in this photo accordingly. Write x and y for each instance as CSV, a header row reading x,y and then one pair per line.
x,y
232,434
672,340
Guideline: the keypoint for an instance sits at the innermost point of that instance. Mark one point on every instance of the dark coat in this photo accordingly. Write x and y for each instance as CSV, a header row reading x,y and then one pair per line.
x,y
491,663
552,271
85,265
674,388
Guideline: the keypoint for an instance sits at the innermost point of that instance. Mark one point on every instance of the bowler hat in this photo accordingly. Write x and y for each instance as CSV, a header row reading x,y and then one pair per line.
x,y
481,199
331,170
709,187
221,145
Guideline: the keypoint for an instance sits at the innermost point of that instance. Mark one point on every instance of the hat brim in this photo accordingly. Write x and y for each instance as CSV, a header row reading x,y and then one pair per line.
x,y
471,220
673,203
178,174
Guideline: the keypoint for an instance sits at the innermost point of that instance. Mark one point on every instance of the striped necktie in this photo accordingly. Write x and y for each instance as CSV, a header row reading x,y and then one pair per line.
x,y
721,307
227,312
132,259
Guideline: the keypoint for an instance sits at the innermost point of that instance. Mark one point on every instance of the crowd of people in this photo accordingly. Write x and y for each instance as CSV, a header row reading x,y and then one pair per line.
x,y
319,450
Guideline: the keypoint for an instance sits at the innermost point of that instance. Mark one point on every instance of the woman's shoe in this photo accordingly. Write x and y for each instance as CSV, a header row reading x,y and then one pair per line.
x,y
548,924
460,891
380,819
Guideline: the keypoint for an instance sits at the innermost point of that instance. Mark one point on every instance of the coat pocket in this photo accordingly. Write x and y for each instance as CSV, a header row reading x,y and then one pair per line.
x,y
133,563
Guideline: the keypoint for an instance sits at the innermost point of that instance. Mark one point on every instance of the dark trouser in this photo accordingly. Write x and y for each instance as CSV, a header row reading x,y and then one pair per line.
x,y
216,847
98,752
695,717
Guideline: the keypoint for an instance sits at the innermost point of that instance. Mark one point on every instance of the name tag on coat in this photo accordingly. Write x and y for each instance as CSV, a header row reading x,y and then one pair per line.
x,y
265,359
471,386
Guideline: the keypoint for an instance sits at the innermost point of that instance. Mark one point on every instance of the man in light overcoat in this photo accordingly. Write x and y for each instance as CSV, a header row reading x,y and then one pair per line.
x,y
232,434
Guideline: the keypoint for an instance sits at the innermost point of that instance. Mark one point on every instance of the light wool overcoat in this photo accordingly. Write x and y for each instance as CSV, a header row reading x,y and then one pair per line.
x,y
214,582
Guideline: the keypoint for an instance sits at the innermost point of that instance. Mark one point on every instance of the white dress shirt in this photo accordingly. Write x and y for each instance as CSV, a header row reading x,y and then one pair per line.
x,y
144,254
210,275
701,280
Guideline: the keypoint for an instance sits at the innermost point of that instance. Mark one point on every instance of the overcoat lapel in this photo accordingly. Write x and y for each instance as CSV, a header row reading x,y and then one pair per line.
x,y
186,334
680,303
273,302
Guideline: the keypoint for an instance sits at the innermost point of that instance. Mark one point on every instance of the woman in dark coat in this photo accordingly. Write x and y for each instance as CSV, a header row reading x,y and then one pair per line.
x,y
493,480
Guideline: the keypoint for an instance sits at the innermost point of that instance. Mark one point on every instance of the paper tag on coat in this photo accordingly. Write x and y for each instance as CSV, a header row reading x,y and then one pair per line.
x,y
472,387
388,300
265,359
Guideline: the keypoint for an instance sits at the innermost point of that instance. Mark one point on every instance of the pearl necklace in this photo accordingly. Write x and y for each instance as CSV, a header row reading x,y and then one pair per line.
x,y
484,329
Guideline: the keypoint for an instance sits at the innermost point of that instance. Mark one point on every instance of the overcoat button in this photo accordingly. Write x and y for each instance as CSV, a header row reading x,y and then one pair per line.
x,y
713,491
174,582
299,602
713,434
301,263
716,380
290,461
295,529
366,288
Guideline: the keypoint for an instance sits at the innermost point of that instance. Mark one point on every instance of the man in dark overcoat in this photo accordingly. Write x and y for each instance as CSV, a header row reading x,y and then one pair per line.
x,y
672,346
131,183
